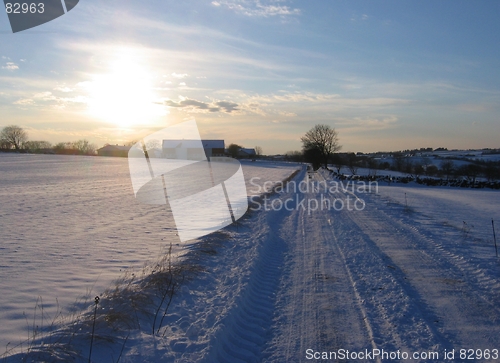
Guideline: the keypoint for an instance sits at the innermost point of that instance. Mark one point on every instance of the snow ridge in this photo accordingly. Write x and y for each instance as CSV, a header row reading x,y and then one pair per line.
x,y
243,334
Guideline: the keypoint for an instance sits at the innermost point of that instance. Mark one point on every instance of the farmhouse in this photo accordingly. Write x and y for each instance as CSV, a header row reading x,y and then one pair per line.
x,y
246,153
113,150
192,149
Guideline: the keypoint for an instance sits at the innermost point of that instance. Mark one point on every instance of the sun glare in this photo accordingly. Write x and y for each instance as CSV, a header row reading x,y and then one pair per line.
x,y
124,96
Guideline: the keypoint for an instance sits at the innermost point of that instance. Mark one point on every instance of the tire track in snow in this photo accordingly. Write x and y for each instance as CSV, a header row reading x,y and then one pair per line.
x,y
396,317
296,326
486,281
244,332
402,318
483,285
316,304
359,301
449,284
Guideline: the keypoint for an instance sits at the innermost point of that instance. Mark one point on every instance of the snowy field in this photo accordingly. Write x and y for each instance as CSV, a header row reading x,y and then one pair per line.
x,y
69,226
467,210
309,274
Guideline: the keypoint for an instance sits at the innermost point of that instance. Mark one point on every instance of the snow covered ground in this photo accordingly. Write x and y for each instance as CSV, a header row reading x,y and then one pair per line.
x,y
309,273
69,226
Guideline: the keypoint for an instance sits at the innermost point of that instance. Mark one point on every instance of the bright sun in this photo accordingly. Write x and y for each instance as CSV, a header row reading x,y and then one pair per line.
x,y
124,96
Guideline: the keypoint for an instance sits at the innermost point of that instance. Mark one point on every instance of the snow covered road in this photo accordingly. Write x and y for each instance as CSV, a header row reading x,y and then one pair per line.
x,y
371,280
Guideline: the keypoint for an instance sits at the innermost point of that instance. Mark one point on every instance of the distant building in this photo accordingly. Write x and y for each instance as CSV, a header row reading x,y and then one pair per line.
x,y
190,149
113,150
213,147
246,153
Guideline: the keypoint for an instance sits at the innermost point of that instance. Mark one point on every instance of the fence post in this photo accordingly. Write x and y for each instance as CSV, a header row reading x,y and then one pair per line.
x,y
494,237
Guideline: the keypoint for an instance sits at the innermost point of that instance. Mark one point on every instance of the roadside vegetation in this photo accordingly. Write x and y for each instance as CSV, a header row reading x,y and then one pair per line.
x,y
15,139
425,165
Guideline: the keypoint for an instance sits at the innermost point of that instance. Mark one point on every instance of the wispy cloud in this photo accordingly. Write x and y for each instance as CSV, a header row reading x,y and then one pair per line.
x,y
199,106
304,106
305,97
179,76
24,102
10,66
330,100
369,123
63,89
49,99
363,17
258,8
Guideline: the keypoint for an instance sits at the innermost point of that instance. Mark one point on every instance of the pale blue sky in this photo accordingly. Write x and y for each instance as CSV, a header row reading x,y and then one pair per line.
x,y
387,75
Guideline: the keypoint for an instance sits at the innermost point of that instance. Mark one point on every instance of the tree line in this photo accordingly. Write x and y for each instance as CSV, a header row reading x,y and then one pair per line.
x,y
15,139
320,147
446,168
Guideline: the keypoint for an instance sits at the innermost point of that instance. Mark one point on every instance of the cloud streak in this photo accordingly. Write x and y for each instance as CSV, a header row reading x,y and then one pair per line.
x,y
258,8
330,100
369,123
179,76
48,98
198,106
10,66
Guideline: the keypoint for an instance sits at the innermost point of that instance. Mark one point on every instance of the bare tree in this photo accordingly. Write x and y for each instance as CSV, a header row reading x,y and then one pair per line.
x,y
372,166
470,171
294,155
418,169
5,145
321,142
426,162
338,162
37,146
258,151
233,150
408,166
14,135
61,147
491,171
432,170
397,161
447,167
84,147
313,156
352,163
